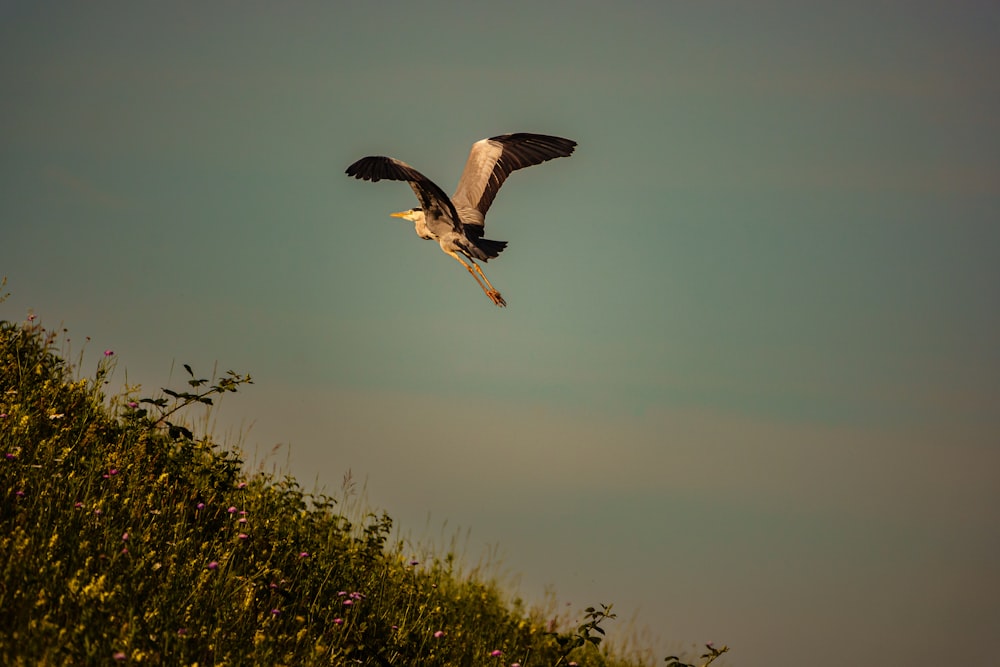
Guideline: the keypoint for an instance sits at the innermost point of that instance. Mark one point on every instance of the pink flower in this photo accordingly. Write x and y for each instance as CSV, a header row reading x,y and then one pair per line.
x,y
303,554
231,510
108,353
439,634
338,621
213,565
496,653
124,536
242,536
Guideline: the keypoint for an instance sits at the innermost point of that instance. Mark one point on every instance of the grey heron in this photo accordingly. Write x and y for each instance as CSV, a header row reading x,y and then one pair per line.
x,y
457,223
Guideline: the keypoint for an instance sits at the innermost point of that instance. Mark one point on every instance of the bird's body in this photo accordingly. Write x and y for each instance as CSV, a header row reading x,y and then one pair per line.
x,y
457,223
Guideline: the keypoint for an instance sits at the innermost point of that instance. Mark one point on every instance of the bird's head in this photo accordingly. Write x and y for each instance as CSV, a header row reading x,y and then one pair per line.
x,y
413,215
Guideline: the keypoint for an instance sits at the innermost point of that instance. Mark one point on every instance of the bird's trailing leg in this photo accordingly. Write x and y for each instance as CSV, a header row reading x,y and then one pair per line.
x,y
488,288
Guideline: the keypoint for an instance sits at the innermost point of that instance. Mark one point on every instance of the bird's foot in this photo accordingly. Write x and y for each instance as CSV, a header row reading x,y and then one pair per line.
x,y
496,298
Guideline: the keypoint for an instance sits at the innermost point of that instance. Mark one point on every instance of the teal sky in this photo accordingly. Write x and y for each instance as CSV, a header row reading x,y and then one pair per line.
x,y
748,383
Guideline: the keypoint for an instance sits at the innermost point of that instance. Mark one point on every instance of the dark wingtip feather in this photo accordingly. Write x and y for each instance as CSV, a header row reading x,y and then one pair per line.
x,y
371,168
539,143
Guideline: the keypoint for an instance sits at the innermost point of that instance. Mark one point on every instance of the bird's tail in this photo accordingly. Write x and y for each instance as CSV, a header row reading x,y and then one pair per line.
x,y
490,248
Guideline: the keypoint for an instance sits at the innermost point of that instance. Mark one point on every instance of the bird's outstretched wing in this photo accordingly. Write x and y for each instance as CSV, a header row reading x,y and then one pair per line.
x,y
491,161
433,200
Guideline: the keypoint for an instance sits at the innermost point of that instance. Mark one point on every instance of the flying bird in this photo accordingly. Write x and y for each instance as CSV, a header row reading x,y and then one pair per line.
x,y
458,223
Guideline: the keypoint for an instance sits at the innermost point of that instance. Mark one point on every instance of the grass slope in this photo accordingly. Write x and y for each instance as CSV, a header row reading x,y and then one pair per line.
x,y
126,538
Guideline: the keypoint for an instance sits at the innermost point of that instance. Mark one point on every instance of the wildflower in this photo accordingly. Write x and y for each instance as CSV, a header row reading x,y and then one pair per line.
x,y
120,655
395,627
58,415
133,404
241,485
357,596
19,494
515,664
242,536
338,621
341,594
231,510
348,602
275,612
439,634
243,512
113,471
243,519
496,653
213,565
414,563
200,506
31,317
303,554
3,415
108,353
78,505
182,631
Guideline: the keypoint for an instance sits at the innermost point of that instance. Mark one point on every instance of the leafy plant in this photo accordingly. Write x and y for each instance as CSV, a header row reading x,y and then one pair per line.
x,y
711,654
590,632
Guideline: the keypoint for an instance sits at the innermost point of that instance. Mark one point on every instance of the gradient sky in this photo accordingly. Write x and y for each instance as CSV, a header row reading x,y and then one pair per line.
x,y
748,383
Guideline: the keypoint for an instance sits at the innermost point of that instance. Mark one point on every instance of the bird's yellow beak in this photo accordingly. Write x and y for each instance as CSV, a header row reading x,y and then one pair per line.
x,y
401,214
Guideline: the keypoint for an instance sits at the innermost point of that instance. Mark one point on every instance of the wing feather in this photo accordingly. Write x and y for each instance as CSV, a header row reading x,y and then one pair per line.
x,y
492,160
433,200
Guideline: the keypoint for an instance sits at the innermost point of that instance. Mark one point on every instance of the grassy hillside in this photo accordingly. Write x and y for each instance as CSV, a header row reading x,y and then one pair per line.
x,y
127,538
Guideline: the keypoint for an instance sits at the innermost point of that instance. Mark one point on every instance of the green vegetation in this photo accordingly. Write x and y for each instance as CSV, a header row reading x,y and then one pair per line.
x,y
127,538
